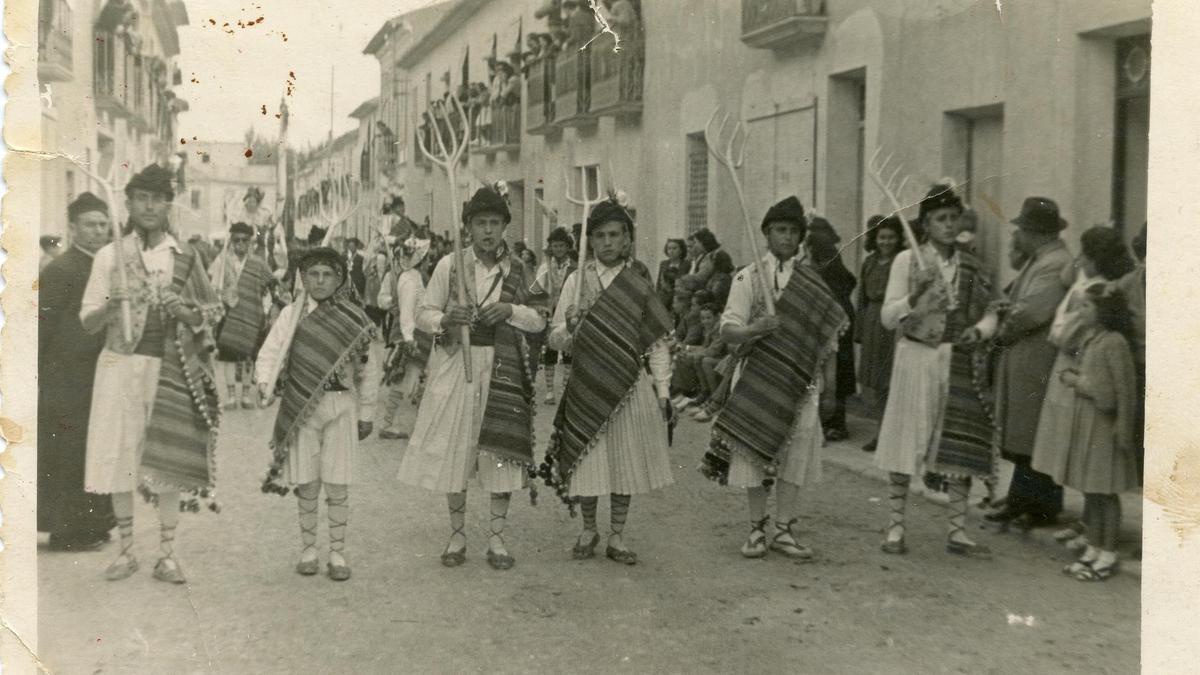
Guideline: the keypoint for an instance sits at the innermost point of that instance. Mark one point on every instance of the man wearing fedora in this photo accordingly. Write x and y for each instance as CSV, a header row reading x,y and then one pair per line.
x,y
1028,357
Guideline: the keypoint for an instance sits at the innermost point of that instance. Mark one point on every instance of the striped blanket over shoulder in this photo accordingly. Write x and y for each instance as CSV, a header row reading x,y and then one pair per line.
x,y
618,329
182,433
779,373
336,332
245,318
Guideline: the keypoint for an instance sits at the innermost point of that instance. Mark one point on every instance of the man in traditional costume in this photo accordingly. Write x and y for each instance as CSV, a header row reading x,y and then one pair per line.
x,y
243,280
551,275
480,428
936,417
319,349
408,346
769,432
67,357
154,409
269,239
610,431
1028,359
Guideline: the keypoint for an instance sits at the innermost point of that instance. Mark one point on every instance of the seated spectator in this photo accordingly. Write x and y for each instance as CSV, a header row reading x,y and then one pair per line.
x,y
721,279
681,302
692,332
688,379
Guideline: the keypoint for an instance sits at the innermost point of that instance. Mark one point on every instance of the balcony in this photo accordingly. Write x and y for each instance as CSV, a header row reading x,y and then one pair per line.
x,y
55,46
572,90
617,79
503,132
783,24
109,75
539,98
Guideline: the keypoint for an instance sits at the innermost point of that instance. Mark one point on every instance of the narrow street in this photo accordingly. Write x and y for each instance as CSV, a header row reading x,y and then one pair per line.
x,y
692,605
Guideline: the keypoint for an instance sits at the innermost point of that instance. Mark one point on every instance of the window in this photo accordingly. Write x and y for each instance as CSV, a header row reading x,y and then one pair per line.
x,y
1131,134
697,182
196,199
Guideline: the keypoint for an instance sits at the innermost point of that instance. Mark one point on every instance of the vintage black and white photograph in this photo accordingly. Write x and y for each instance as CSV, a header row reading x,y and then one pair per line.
x,y
531,336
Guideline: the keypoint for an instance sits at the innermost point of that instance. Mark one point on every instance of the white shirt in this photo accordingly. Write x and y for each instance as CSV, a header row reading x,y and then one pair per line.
x,y
895,300
159,262
409,292
487,292
560,337
277,344
740,303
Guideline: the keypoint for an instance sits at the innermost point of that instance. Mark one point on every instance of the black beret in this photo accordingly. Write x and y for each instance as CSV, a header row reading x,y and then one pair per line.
x,y
323,255
608,211
84,203
153,178
253,191
316,235
560,234
486,200
940,196
789,209
241,228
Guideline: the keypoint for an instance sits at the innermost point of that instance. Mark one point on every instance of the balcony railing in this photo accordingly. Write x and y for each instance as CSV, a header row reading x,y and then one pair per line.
x,y
109,74
55,46
782,24
501,132
617,77
572,89
539,97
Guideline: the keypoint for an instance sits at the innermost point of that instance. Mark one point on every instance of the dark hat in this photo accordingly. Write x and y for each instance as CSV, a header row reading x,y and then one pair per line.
x,y
241,228
940,196
316,235
323,255
608,211
819,224
560,234
790,210
485,200
84,203
253,191
153,178
1040,216
391,204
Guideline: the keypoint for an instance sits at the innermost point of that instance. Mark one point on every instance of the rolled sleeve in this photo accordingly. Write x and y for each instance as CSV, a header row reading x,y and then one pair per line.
x,y
95,295
660,369
895,300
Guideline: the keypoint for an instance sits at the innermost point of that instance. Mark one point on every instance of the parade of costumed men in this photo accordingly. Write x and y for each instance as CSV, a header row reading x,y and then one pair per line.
x,y
67,357
768,435
611,428
408,346
551,275
243,280
269,239
154,410
478,426
319,351
939,298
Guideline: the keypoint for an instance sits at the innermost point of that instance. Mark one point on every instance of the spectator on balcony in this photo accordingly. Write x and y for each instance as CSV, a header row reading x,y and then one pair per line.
x,y
561,40
552,12
623,18
581,25
547,46
400,226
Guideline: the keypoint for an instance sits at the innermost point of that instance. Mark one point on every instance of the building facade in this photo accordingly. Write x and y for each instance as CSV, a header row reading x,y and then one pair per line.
x,y
106,70
218,176
1023,99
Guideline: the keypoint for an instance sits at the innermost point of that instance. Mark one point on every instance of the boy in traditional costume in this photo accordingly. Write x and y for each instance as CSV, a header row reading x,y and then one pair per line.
x,y
551,275
935,416
480,428
154,409
769,432
408,346
610,431
320,348
242,279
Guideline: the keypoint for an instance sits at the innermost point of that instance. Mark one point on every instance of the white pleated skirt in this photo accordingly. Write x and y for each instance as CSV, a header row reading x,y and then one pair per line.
x,y
122,400
443,453
630,457
327,442
916,406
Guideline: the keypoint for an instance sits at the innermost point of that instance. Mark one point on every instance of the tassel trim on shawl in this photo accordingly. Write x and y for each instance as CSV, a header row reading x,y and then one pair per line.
x,y
732,445
199,384
937,478
274,482
561,482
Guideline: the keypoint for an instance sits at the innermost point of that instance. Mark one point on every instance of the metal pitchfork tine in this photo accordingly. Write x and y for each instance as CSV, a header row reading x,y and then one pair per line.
x,y
730,152
875,170
448,157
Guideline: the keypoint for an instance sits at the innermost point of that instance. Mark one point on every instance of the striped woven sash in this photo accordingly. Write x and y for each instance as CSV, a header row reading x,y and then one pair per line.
x,y
244,320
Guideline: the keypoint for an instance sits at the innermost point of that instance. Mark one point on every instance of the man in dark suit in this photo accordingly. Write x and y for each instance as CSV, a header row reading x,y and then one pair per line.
x,y
67,356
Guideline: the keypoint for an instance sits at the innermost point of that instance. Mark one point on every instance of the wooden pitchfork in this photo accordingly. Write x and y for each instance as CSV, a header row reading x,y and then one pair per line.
x,y
730,152
587,202
890,189
447,155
